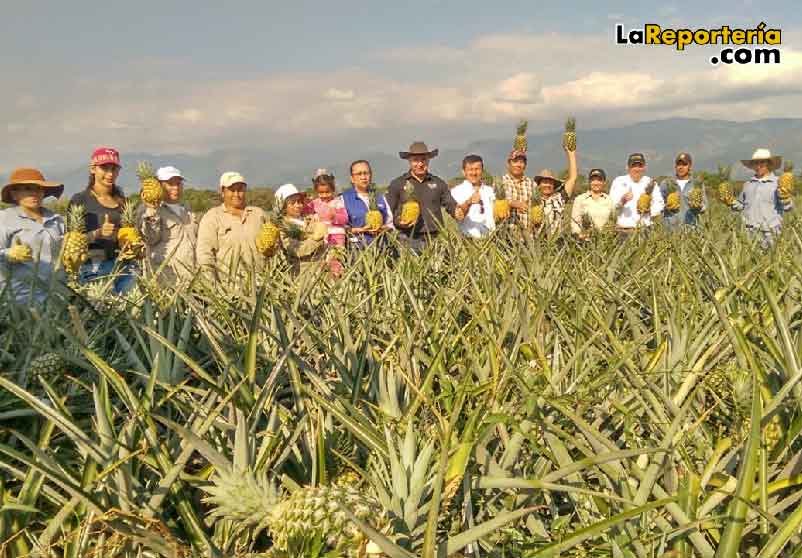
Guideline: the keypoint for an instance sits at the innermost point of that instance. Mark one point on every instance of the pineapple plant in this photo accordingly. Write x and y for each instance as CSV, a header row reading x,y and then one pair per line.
x,y
586,224
501,207
520,143
644,203
150,187
76,244
725,188
410,209
537,212
696,197
673,198
128,237
569,136
373,219
785,184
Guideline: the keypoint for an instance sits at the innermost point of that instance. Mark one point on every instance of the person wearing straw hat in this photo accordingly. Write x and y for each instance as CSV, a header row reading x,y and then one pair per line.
x,y
30,235
761,203
432,193
227,233
170,230
555,193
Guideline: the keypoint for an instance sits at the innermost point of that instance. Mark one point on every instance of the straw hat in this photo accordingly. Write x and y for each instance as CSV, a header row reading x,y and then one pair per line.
x,y
23,177
546,173
763,154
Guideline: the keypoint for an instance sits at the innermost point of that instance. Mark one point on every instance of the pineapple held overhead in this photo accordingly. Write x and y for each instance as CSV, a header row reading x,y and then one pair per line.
x,y
151,188
373,218
520,143
76,243
410,209
569,136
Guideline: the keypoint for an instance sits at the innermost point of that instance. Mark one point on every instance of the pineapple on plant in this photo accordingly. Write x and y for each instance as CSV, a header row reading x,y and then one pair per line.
x,y
537,212
725,188
785,184
520,143
151,189
674,197
410,209
373,219
644,203
47,365
128,237
569,136
76,243
501,207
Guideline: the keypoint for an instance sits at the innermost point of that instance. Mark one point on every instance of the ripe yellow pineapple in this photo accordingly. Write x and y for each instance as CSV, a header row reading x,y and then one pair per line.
x,y
725,188
536,211
673,199
520,143
501,207
644,203
76,244
151,188
373,219
269,237
696,197
785,184
569,136
128,238
410,209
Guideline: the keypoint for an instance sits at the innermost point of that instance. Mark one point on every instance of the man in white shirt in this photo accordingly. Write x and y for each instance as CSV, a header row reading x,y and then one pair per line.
x,y
627,189
475,199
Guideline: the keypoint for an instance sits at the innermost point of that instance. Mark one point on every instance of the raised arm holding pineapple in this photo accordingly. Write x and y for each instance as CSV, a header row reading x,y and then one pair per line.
x,y
553,192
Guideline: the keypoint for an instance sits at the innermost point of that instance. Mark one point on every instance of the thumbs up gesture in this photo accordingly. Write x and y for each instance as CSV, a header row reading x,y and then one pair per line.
x,y
19,252
107,228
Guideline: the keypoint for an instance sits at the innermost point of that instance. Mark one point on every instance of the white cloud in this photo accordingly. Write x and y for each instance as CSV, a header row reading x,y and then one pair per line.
x,y
335,94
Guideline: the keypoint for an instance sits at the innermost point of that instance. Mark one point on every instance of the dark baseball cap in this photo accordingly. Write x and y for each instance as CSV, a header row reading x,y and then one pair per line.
x,y
636,158
596,173
684,158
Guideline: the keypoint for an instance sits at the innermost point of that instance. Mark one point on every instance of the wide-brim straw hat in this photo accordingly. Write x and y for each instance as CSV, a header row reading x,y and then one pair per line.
x,y
546,173
419,148
763,154
24,177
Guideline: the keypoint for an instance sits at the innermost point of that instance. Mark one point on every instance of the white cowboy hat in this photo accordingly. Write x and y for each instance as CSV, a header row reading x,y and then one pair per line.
x,y
763,154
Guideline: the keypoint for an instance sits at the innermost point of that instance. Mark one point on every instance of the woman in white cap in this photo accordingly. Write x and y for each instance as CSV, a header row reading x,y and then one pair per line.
x,y
303,239
170,230
761,202
227,233
30,235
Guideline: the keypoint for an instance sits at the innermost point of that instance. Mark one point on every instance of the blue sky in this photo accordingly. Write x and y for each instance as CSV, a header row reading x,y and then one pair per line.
x,y
192,77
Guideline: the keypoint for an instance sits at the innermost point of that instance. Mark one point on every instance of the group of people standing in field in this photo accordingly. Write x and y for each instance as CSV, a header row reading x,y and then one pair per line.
x,y
314,231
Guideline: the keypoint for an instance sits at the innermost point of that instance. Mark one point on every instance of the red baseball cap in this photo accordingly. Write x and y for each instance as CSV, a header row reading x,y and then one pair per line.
x,y
106,156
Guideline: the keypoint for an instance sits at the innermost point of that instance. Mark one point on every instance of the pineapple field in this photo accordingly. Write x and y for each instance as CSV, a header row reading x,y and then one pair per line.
x,y
510,397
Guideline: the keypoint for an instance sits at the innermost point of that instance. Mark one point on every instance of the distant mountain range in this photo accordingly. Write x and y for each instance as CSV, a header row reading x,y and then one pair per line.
x,y
711,142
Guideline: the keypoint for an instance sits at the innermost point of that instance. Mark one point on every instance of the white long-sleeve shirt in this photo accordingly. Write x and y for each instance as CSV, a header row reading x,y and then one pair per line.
x,y
628,216
479,220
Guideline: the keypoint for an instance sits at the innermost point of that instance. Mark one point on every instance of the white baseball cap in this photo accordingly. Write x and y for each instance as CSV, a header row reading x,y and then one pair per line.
x,y
230,178
286,191
166,173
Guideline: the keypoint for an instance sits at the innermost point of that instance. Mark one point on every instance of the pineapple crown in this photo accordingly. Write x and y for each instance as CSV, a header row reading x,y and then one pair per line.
x,y
520,130
570,124
498,188
788,167
76,218
145,171
724,172
409,191
372,200
129,212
